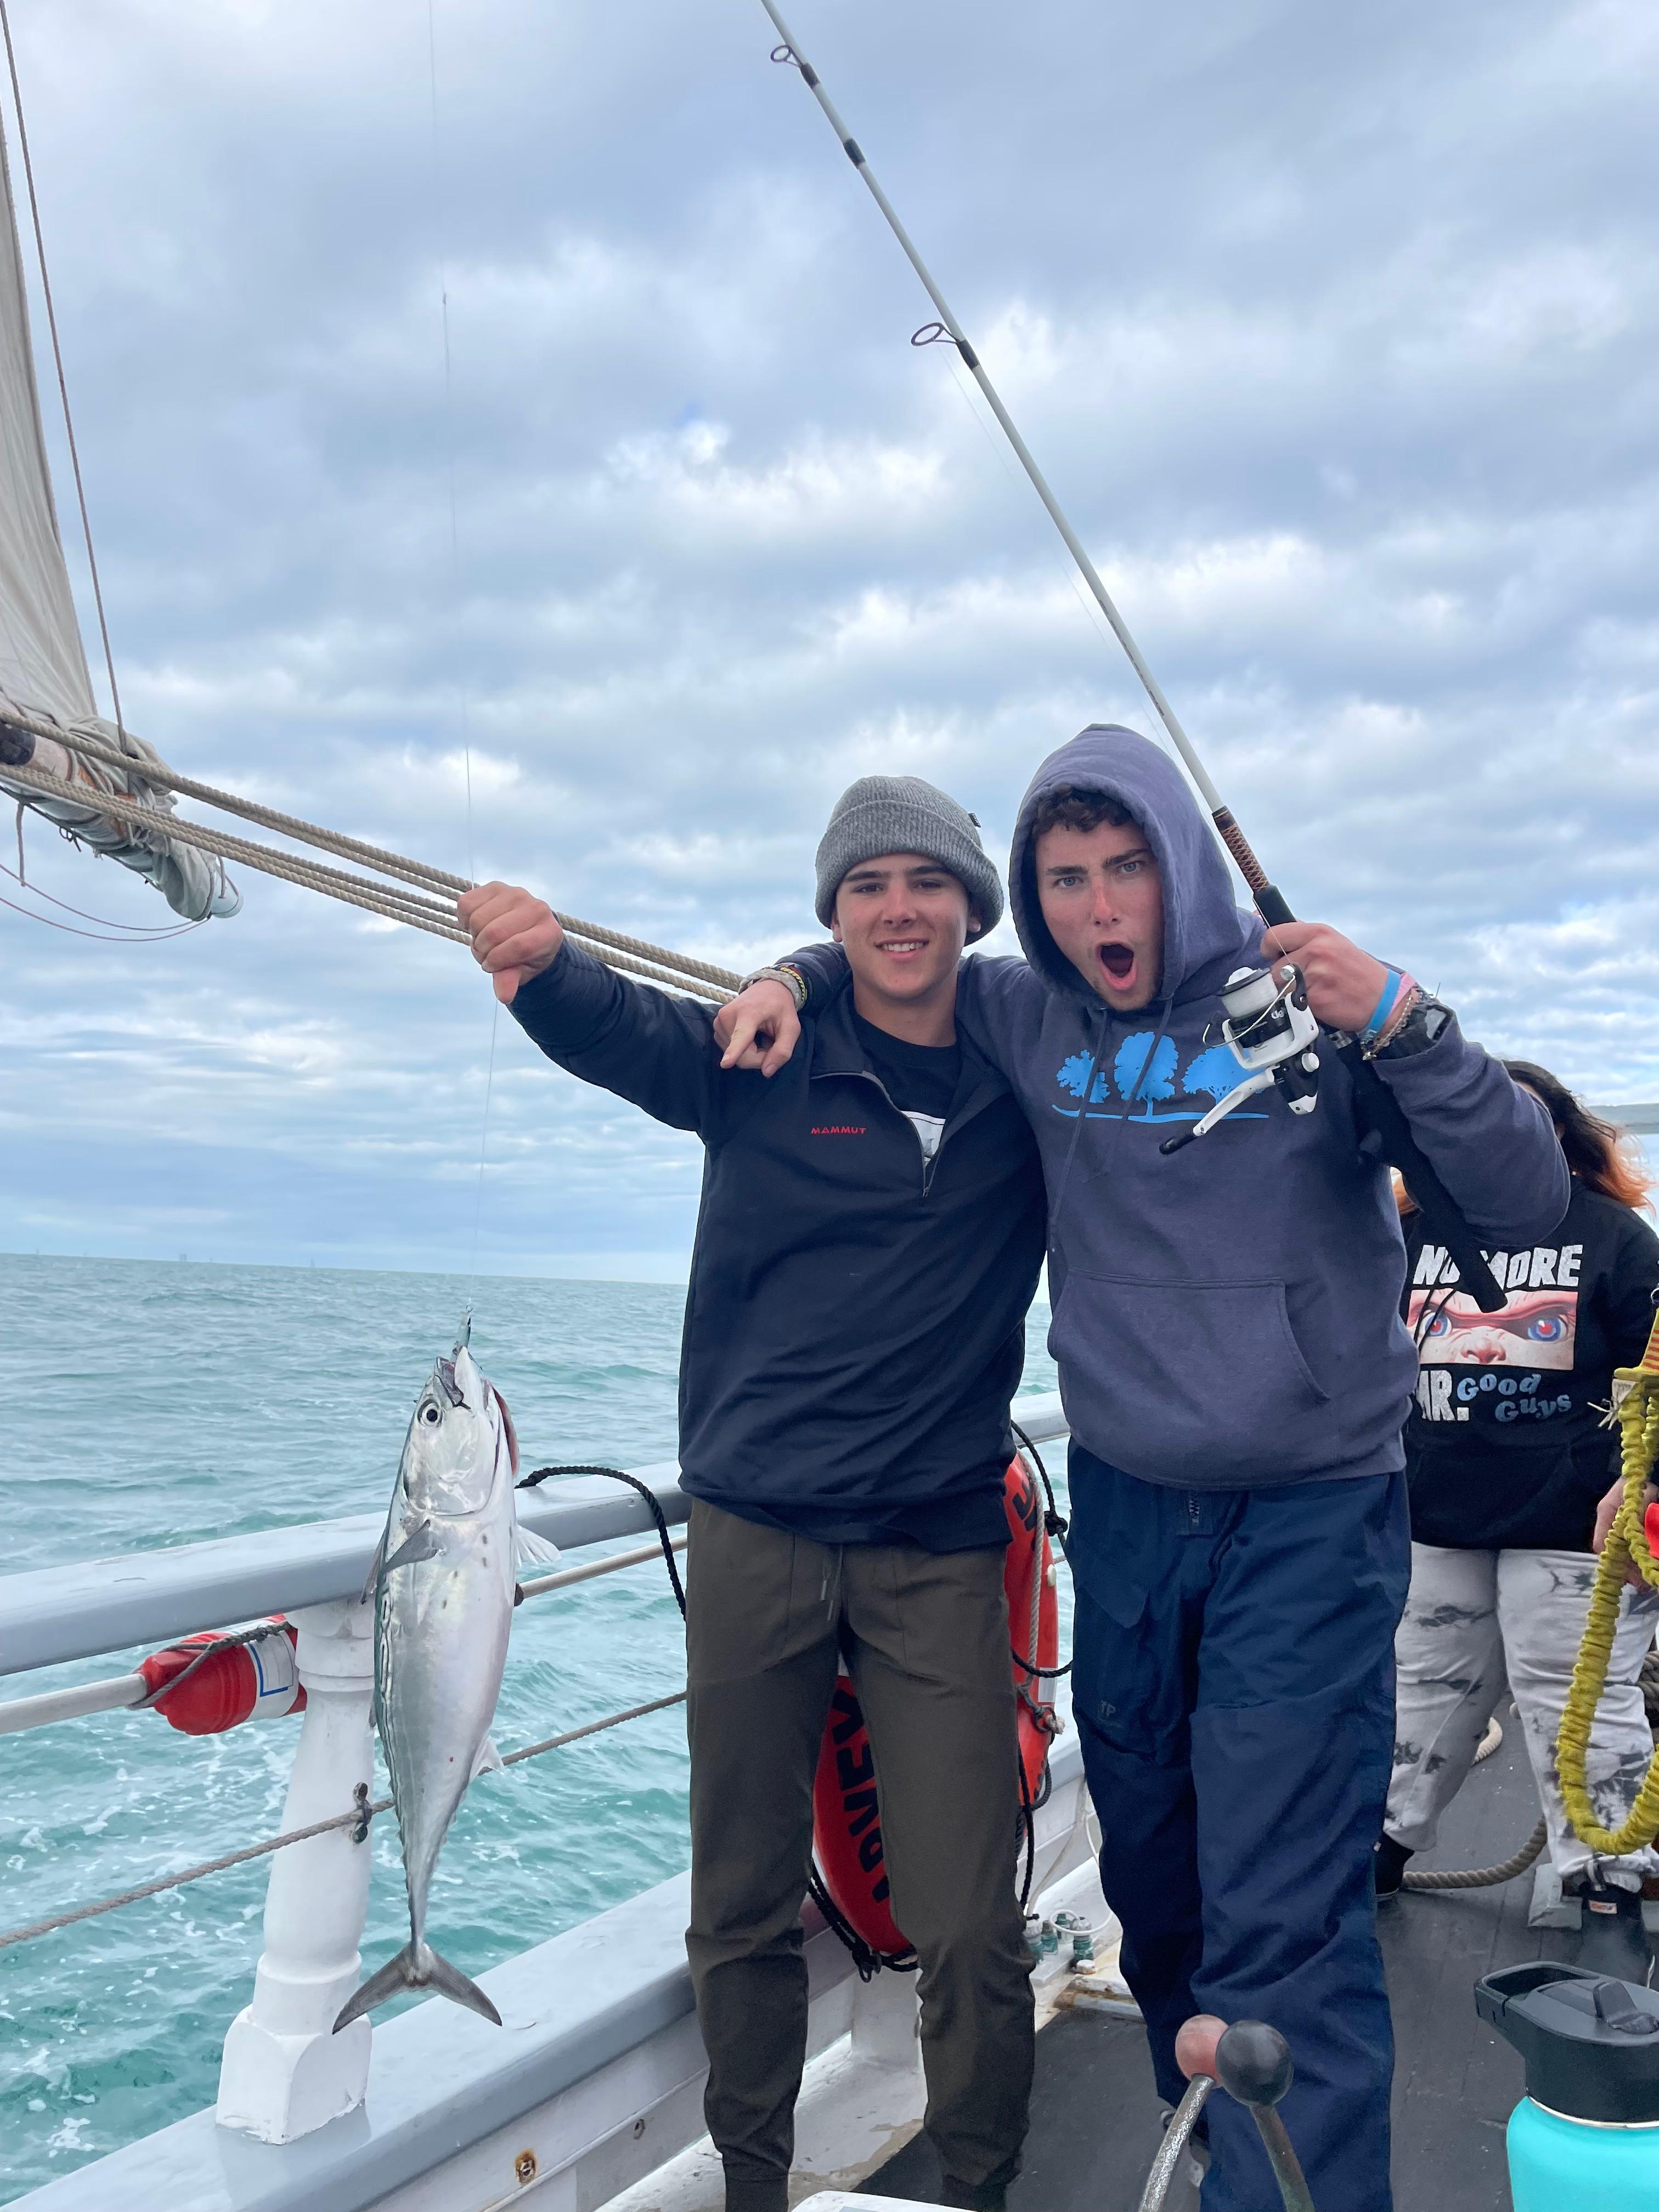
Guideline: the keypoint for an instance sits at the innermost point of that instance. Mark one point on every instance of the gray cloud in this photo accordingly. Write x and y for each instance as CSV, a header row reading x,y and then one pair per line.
x,y
1336,333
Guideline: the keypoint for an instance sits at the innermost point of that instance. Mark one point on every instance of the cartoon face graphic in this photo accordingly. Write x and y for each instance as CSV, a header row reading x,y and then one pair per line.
x,y
1536,1328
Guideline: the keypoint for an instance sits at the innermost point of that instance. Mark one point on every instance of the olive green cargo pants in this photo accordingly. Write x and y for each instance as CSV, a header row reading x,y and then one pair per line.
x,y
925,1638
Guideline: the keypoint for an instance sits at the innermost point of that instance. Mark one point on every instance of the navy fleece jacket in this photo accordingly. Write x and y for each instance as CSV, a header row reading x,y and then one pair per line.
x,y
1226,1317
855,1322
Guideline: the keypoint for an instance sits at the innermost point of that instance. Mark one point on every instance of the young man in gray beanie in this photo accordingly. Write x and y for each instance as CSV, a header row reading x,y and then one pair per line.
x,y
870,1237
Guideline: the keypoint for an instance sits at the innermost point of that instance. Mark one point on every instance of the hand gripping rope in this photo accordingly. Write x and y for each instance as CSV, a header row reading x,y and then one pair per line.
x,y
1636,1400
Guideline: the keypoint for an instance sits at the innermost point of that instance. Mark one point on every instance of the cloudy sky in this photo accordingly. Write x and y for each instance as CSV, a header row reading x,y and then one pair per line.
x,y
1338,331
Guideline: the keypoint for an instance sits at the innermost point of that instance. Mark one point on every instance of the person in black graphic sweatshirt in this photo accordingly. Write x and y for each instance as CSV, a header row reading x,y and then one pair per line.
x,y
1508,1456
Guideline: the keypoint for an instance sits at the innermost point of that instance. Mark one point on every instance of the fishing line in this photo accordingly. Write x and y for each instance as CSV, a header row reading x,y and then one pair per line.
x,y
484,1149
449,405
455,598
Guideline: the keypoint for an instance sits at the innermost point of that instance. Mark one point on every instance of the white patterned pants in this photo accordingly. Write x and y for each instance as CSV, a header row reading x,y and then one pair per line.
x,y
1478,1623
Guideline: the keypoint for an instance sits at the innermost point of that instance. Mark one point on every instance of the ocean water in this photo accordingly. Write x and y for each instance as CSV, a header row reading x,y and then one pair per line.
x,y
162,1404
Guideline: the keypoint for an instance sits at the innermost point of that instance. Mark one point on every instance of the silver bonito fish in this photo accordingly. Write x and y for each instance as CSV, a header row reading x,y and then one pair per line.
x,y
444,1581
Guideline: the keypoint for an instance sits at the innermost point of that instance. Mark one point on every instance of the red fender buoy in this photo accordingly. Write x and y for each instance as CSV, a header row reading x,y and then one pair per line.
x,y
247,1682
846,1818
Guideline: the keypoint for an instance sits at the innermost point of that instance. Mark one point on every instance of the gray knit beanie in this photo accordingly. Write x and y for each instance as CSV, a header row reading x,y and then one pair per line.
x,y
901,814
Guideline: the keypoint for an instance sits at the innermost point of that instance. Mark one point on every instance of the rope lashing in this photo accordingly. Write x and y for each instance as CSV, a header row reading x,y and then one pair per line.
x,y
357,1817
677,971
354,890
1636,1394
355,849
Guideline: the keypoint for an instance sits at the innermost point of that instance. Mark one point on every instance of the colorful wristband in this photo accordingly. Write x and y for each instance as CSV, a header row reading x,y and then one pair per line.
x,y
1393,984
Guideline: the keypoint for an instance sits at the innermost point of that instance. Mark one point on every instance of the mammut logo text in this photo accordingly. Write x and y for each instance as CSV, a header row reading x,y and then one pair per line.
x,y
839,1129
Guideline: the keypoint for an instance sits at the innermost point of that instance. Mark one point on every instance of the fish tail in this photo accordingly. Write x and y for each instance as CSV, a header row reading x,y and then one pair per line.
x,y
390,1981
450,1982
416,1966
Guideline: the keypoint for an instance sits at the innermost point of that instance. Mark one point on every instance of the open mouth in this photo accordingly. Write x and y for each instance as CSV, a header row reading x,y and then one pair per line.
x,y
904,948
1118,960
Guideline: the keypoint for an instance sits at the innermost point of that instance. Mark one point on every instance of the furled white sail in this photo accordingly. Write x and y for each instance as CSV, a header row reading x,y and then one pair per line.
x,y
43,666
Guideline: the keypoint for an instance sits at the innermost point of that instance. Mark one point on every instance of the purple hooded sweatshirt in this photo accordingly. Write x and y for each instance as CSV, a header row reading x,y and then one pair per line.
x,y
1228,1316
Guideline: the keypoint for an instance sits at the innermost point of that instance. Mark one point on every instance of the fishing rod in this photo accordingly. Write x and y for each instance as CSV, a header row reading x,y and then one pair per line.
x,y
948,330
1377,1102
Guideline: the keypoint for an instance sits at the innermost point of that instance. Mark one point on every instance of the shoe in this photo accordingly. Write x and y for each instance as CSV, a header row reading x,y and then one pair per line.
x,y
1612,1939
974,2196
1389,1861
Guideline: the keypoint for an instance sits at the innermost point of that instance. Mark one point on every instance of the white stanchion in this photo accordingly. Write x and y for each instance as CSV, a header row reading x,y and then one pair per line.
x,y
285,2072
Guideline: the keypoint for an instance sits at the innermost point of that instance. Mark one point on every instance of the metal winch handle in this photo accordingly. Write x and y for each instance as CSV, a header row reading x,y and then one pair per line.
x,y
1195,2050
1176,2136
1252,2064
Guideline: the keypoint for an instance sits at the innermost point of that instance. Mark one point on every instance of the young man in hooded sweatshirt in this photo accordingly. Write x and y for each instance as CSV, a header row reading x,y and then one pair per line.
x,y
1236,1375
869,1240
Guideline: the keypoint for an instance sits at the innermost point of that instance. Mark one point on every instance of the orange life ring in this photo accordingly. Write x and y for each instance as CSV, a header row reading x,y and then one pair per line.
x,y
846,1818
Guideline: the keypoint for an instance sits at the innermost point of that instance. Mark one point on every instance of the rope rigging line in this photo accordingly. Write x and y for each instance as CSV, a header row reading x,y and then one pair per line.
x,y
359,1816
95,936
355,889
1483,1877
395,902
344,848
123,932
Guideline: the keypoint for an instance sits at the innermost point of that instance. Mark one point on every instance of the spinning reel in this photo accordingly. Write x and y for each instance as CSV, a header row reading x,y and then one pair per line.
x,y
1271,1033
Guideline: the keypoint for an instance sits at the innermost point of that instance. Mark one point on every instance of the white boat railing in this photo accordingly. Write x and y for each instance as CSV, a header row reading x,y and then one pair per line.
x,y
285,2075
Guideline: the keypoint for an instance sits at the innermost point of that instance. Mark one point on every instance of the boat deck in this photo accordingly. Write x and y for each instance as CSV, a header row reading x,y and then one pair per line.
x,y
1095,2122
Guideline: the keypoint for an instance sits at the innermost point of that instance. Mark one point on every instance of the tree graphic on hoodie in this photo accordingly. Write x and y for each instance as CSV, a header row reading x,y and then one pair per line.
x,y
1215,1071
1130,1068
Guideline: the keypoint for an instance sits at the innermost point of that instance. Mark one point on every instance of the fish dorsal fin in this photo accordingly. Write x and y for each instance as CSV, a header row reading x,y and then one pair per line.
x,y
489,1760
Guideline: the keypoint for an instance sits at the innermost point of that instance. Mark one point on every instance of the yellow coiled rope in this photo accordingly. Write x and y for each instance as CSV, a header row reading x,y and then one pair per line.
x,y
1636,1394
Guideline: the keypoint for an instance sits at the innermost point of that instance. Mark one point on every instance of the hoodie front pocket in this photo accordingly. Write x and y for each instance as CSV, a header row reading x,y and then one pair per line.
x,y
1188,1381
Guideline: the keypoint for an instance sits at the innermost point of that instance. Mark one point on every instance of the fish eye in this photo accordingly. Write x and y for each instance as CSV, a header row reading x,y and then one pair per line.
x,y
430,1412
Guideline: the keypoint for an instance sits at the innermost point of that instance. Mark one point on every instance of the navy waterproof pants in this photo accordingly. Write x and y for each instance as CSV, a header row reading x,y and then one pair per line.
x,y
1234,1691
